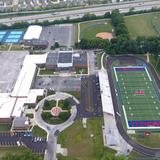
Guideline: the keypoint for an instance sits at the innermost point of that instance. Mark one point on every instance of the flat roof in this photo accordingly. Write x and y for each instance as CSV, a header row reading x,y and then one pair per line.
x,y
24,81
33,32
52,59
65,57
12,104
107,104
19,107
80,59
6,105
19,122
35,59
10,62
32,96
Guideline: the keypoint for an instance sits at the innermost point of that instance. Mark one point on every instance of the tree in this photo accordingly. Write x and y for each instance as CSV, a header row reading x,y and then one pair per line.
x,y
47,105
66,104
117,18
107,15
64,115
56,45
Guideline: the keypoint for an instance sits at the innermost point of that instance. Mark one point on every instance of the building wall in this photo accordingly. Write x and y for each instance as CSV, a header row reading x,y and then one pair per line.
x,y
5,120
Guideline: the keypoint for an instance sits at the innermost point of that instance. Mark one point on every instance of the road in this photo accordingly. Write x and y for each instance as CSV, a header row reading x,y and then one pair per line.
x,y
54,130
100,10
138,147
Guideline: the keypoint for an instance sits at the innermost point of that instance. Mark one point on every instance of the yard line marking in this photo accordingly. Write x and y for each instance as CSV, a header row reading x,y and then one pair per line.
x,y
125,115
148,74
115,74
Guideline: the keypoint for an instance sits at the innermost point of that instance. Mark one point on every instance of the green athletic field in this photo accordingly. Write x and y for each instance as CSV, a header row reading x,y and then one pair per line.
x,y
143,24
88,30
138,95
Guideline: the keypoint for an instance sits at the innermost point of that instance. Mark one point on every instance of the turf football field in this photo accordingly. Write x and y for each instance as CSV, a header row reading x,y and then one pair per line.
x,y
139,96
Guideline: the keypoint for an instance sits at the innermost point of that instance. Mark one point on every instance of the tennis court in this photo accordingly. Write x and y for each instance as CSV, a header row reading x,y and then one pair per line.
x,y
11,36
2,35
139,97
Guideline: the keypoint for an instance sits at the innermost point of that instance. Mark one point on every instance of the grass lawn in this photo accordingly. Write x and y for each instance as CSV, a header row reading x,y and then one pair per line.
x,y
75,33
12,150
155,62
16,47
80,144
81,70
135,155
30,115
46,72
49,118
4,47
38,132
75,94
88,30
151,141
5,127
141,25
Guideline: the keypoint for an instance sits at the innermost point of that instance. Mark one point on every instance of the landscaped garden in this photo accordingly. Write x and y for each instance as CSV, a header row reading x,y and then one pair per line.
x,y
56,112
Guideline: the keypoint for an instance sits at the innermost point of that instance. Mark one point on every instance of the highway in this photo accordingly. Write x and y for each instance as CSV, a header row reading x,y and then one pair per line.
x,y
136,146
100,10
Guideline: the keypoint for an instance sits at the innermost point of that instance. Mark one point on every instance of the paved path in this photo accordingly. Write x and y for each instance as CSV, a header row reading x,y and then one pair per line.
x,y
102,60
54,130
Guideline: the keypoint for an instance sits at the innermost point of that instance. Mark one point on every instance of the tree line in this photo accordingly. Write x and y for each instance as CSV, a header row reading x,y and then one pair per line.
x,y
122,43
86,17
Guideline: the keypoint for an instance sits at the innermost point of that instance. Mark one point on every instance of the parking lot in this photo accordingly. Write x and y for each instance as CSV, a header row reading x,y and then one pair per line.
x,y
10,67
36,144
63,34
90,104
58,83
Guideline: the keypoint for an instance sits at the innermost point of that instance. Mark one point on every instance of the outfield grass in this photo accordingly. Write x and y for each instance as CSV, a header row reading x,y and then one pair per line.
x,y
88,30
141,25
80,144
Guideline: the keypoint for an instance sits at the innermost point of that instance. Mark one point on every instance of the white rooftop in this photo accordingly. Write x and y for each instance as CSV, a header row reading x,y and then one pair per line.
x,y
106,97
32,96
35,59
18,108
12,104
6,105
24,81
33,32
